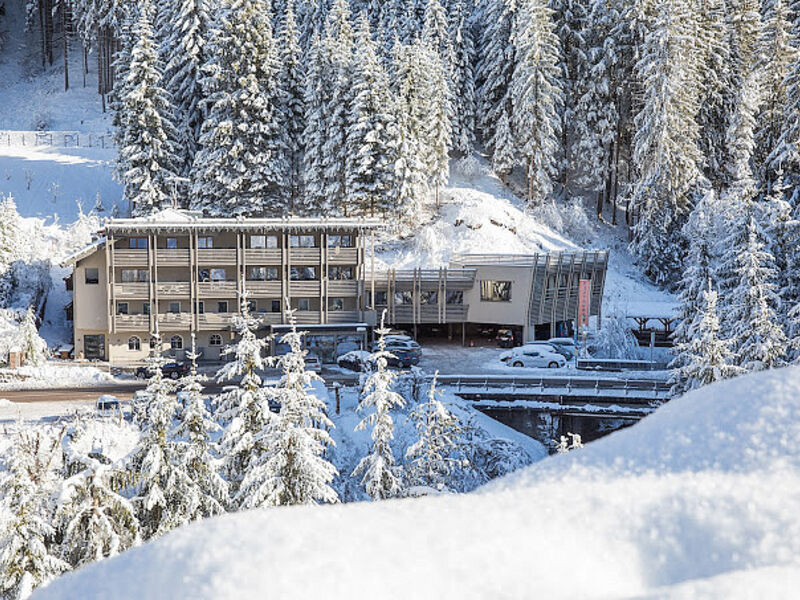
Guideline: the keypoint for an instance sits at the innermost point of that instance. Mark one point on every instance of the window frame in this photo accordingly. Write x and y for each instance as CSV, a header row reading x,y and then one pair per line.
x,y
127,310
172,243
136,342
171,305
138,243
307,302
489,291
301,240
221,303
172,342
205,242
212,340
87,280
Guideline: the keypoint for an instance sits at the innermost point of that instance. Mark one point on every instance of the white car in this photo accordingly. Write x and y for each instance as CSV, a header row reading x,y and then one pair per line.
x,y
313,363
543,346
537,357
565,346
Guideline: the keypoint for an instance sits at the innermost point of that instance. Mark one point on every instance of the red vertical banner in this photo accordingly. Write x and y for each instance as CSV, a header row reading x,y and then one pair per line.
x,y
584,302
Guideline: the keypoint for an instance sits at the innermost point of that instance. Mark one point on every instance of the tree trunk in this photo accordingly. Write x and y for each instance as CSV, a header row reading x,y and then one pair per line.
x,y
42,30
64,36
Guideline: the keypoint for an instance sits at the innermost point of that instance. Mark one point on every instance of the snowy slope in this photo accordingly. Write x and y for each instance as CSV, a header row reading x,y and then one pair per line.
x,y
699,500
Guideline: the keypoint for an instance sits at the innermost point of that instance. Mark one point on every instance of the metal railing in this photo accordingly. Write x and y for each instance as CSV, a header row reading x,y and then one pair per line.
x,y
58,139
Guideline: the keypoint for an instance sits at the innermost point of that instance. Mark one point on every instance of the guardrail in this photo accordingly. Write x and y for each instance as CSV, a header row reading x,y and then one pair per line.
x,y
613,364
58,139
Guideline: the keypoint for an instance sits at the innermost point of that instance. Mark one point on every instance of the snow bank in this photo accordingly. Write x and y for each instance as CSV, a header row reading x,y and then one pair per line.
x,y
699,500
55,375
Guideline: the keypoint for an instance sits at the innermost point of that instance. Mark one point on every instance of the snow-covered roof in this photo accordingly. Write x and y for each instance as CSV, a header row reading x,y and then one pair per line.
x,y
172,218
521,260
83,252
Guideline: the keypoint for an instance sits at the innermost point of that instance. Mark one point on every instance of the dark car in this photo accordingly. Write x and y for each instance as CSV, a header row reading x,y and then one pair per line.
x,y
173,370
505,338
358,360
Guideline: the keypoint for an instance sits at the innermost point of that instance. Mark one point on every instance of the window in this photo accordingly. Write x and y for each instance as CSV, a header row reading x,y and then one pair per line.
x,y
153,342
215,340
204,275
341,241
257,274
303,304
403,298
172,243
428,297
206,242
272,273
135,275
222,306
146,308
303,273
258,241
218,275
495,291
272,241
456,297
176,342
380,298
138,243
336,304
302,241
94,346
134,344
122,308
252,306
92,276
201,307
275,306
340,273
174,307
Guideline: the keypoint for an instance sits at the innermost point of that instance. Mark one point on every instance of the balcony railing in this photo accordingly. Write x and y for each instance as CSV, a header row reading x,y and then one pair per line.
x,y
173,257
342,256
131,290
132,322
342,288
343,316
427,313
304,288
215,320
130,258
173,288
264,288
217,288
262,256
222,256
304,255
307,317
174,321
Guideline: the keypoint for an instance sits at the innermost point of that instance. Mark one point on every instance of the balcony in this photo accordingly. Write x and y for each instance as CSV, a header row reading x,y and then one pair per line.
x,y
209,256
342,288
130,258
174,257
217,288
174,321
173,288
307,317
269,318
304,256
262,256
304,288
271,289
342,256
404,313
132,322
215,321
132,290
344,316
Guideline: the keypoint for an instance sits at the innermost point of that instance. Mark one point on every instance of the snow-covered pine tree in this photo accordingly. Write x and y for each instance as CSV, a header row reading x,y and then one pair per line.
x,y
463,95
204,492
149,159
704,357
292,77
666,152
371,134
314,199
240,167
436,34
293,470
28,553
187,29
536,96
97,522
244,411
379,474
433,458
33,347
437,130
503,159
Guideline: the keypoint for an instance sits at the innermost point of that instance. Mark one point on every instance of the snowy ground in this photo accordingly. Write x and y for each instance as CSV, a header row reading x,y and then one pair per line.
x,y
55,374
699,500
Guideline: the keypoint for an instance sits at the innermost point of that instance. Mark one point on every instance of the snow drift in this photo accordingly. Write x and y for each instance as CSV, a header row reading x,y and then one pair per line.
x,y
701,499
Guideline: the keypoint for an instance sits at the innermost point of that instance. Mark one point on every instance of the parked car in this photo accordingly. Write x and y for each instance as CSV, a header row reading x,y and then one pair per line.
x,y
565,346
356,360
544,346
505,338
106,402
173,370
538,357
313,363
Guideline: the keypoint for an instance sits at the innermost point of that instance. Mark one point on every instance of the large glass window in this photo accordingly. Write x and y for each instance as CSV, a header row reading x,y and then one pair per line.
x,y
456,297
303,304
172,243
272,273
94,346
218,275
341,241
340,273
257,274
302,241
303,273
174,307
135,275
206,242
335,304
403,298
428,297
92,276
380,298
495,291
138,243
258,242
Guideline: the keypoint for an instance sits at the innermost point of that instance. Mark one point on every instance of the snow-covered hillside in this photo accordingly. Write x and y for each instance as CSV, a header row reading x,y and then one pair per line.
x,y
699,500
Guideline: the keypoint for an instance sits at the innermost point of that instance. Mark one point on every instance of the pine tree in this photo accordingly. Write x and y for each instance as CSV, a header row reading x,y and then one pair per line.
x,y
186,33
504,158
27,550
293,469
292,77
433,458
371,132
34,348
379,474
536,96
463,95
204,492
148,155
240,167
316,85
436,132
245,410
